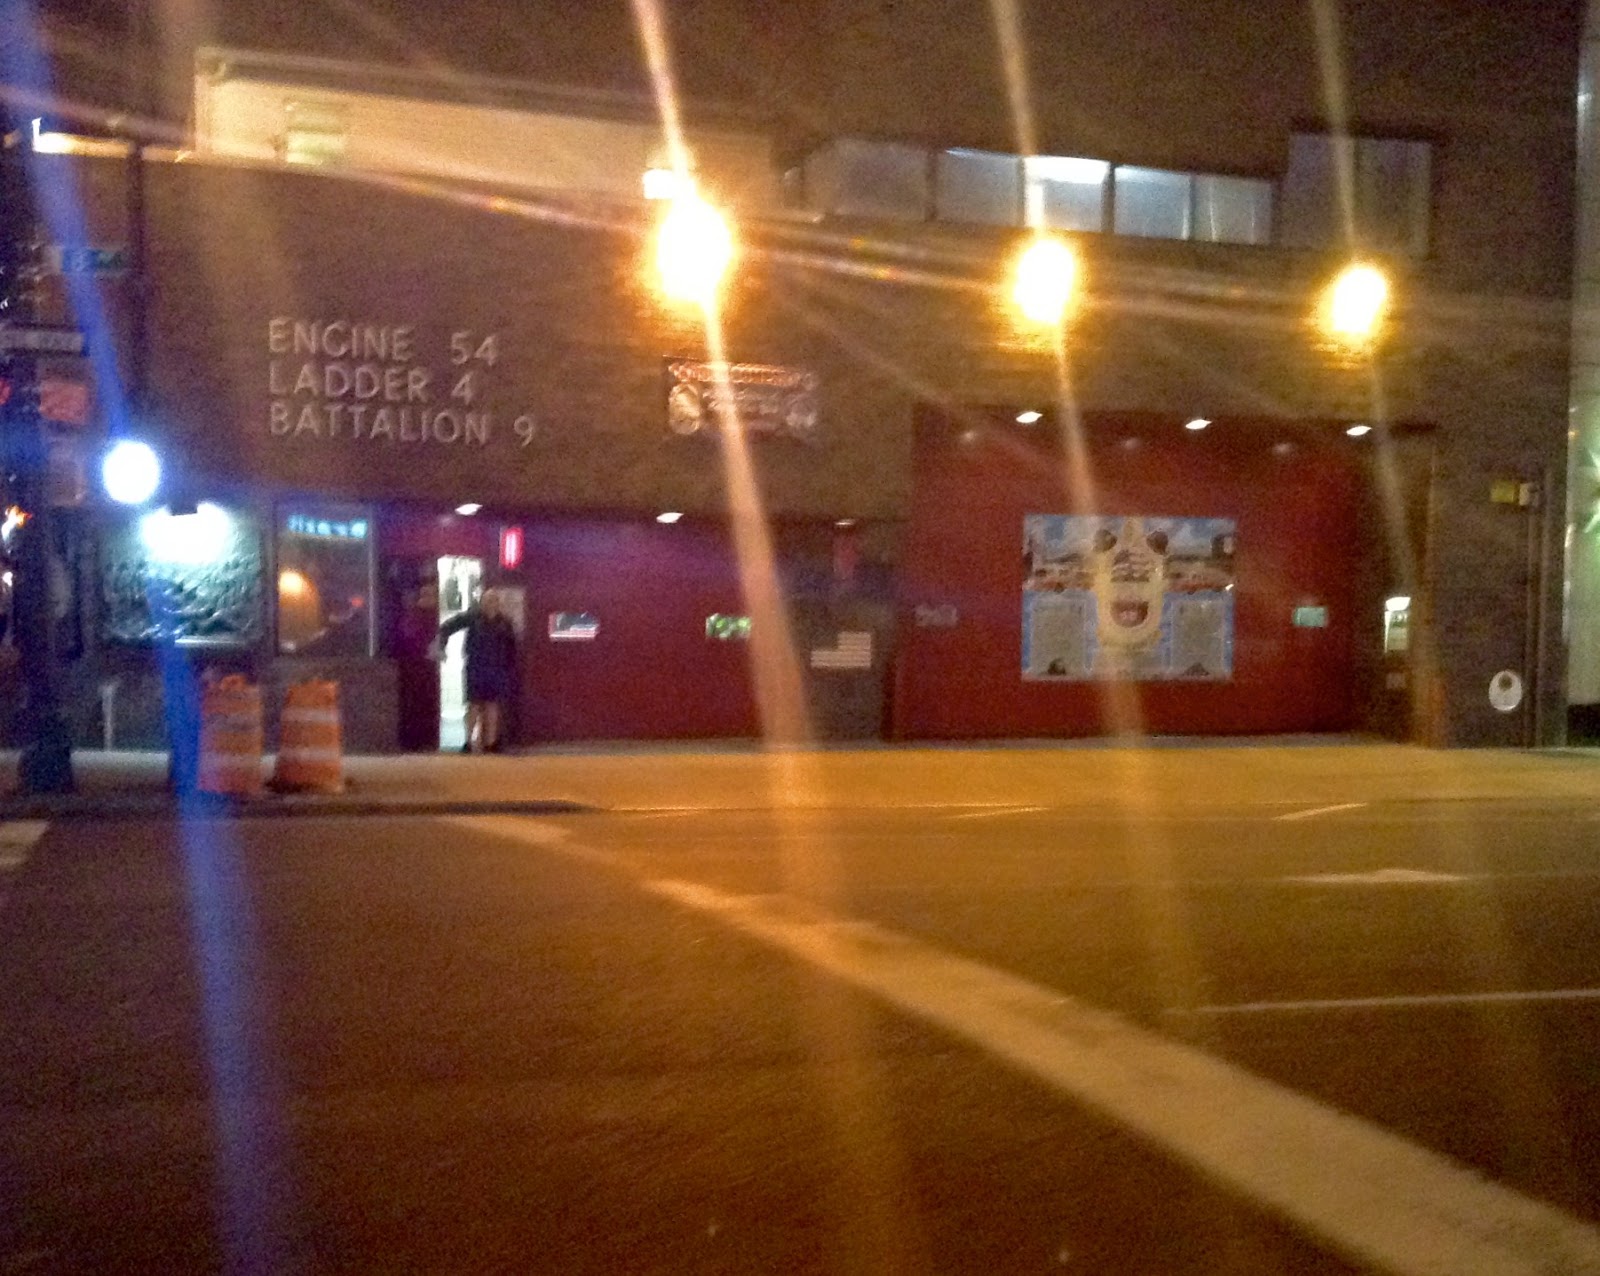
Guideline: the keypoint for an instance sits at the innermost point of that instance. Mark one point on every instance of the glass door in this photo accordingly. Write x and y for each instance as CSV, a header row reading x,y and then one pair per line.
x,y
460,583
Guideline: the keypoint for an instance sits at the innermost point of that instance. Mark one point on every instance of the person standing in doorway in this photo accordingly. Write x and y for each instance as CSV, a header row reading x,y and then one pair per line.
x,y
491,669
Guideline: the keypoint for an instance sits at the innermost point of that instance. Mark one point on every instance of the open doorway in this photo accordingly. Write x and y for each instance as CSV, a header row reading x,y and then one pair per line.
x,y
460,583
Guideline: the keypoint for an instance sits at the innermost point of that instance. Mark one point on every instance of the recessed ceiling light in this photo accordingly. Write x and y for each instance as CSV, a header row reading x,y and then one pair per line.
x,y
669,516
1196,423
1028,417
469,509
1130,443
1282,449
1358,429
844,522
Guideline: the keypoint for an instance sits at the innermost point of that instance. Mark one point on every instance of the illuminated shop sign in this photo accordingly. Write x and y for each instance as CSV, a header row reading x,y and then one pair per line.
x,y
339,529
766,400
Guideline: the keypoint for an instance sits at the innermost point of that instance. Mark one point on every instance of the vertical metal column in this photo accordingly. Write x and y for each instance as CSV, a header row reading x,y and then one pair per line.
x,y
46,764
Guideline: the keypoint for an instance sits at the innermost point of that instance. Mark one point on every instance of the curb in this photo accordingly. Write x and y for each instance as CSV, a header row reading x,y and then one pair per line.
x,y
201,806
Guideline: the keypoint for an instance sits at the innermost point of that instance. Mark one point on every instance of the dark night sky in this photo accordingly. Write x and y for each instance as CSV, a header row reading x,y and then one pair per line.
x,y
928,69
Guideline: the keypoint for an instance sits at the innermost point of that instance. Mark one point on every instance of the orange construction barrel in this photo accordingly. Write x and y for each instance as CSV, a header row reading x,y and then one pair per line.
x,y
310,752
230,737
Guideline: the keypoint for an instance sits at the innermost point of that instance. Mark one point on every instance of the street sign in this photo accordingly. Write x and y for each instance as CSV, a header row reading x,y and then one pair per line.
x,y
62,260
34,338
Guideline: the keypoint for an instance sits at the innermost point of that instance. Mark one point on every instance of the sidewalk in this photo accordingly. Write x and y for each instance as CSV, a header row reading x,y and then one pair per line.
x,y
1161,775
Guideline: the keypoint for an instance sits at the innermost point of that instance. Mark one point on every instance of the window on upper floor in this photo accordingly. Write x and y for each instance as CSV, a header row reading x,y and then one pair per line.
x,y
1151,202
1394,195
978,186
1384,182
853,177
314,133
1232,210
1064,193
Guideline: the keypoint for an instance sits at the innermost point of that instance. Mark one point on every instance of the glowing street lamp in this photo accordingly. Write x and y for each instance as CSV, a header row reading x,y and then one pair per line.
x,y
1355,305
1045,282
694,248
131,472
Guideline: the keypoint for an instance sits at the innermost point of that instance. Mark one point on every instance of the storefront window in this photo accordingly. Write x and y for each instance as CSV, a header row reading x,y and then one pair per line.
x,y
324,580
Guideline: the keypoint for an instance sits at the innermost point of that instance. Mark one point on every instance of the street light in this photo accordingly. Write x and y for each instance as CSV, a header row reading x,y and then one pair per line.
x,y
1045,281
694,248
1355,305
130,472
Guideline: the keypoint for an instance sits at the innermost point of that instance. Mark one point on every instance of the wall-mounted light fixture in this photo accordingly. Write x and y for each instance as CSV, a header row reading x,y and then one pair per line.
x,y
694,249
130,472
1045,281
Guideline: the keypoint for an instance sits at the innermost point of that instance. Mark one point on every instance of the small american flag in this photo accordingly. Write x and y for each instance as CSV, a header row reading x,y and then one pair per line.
x,y
852,650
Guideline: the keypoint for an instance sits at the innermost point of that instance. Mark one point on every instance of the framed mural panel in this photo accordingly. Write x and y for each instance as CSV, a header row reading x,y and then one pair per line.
x,y
197,580
1134,598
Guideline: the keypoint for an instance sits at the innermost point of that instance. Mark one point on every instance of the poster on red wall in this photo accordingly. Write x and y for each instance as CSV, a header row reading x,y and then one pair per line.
x,y
1136,598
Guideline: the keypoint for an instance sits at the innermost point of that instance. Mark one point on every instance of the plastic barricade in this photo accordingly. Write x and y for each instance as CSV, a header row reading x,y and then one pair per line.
x,y
310,748
230,738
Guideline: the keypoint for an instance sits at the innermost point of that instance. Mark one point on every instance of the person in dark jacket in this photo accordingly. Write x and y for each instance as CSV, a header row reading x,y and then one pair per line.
x,y
491,669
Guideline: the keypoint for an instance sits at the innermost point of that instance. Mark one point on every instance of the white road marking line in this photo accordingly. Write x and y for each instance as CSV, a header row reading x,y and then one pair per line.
x,y
17,838
1399,1001
1380,877
22,832
1390,876
1004,810
1320,810
1367,1193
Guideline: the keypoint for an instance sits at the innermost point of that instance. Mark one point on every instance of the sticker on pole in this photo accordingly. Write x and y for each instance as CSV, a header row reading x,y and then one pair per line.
x,y
1505,691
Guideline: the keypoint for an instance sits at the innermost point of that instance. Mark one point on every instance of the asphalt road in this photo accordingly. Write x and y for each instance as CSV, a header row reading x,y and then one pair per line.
x,y
825,1041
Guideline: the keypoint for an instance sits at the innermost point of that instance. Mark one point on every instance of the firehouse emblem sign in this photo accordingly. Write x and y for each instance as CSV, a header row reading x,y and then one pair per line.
x,y
761,399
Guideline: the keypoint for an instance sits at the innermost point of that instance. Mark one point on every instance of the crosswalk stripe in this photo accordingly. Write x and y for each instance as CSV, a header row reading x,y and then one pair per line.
x,y
17,838
1371,1195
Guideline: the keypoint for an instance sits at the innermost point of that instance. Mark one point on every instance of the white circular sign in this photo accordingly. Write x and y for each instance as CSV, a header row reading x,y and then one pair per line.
x,y
1505,691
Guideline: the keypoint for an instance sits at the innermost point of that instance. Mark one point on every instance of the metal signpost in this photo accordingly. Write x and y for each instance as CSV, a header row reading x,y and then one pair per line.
x,y
46,763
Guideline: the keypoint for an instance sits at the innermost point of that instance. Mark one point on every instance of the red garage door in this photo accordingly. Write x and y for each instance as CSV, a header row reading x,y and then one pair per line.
x,y
1282,586
647,669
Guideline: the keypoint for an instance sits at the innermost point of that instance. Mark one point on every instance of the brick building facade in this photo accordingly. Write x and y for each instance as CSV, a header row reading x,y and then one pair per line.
x,y
509,350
